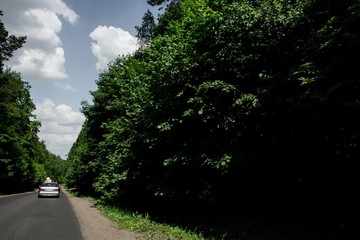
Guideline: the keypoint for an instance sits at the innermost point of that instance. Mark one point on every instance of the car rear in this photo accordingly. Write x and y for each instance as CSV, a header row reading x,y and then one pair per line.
x,y
49,190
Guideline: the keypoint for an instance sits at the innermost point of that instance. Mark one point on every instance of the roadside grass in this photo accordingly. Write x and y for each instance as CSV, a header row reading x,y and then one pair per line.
x,y
141,223
150,230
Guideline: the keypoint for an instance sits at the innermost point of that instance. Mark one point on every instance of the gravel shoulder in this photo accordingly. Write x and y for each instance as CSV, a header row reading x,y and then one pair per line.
x,y
94,225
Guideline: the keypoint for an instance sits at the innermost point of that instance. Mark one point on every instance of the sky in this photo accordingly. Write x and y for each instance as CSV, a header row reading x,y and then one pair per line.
x,y
69,42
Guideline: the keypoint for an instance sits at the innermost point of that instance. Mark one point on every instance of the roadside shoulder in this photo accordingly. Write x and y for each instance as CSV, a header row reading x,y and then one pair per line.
x,y
94,225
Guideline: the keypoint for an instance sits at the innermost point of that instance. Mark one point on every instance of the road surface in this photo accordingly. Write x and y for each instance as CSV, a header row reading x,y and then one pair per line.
x,y
27,217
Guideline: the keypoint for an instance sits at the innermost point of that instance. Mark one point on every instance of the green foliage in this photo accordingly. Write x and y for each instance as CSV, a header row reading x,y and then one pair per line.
x,y
24,160
233,108
17,132
8,44
145,31
40,172
79,171
147,228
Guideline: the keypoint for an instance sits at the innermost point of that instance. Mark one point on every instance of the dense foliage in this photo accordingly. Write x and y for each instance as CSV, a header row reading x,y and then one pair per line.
x,y
231,108
24,160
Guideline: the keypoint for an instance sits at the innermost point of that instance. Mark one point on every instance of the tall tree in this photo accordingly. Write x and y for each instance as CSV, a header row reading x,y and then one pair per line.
x,y
17,132
8,44
254,97
22,156
145,31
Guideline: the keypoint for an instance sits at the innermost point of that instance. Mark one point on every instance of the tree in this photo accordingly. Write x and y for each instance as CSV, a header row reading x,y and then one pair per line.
x,y
254,97
8,44
159,2
145,31
24,160
17,132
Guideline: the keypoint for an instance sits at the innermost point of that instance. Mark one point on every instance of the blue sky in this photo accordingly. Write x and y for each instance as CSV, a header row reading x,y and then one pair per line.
x,y
68,43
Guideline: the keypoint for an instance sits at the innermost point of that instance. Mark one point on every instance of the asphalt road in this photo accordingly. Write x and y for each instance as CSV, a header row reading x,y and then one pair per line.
x,y
27,217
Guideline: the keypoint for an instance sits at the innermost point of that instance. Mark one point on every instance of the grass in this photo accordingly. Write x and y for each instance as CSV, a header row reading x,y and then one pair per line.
x,y
141,223
150,230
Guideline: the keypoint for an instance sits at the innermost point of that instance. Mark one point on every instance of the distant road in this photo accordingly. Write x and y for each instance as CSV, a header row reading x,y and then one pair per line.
x,y
27,217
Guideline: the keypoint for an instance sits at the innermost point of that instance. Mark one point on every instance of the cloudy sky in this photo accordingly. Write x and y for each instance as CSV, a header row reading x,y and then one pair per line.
x,y
68,43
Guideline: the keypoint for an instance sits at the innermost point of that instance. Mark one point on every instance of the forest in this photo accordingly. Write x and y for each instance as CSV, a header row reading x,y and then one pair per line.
x,y
230,110
24,159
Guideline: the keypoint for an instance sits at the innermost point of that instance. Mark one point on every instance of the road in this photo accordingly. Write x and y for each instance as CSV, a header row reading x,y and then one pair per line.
x,y
27,217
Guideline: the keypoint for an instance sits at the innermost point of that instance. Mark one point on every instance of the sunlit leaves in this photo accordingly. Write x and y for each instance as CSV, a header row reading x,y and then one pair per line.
x,y
224,96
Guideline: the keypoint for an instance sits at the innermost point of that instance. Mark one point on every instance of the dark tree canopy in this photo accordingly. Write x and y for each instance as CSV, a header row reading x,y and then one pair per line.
x,y
145,31
159,2
233,108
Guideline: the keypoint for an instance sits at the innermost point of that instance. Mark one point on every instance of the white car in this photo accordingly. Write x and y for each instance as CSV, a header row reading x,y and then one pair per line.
x,y
49,190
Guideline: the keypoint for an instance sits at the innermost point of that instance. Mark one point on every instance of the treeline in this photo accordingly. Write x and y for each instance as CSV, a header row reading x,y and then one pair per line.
x,y
24,160
230,109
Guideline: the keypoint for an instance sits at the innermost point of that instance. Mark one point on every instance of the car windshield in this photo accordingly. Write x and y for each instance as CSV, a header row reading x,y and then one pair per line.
x,y
50,185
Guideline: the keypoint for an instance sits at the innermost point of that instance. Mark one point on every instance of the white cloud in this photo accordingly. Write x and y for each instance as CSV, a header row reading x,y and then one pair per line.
x,y
45,26
110,42
60,126
64,86
42,56
60,8
42,59
39,63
